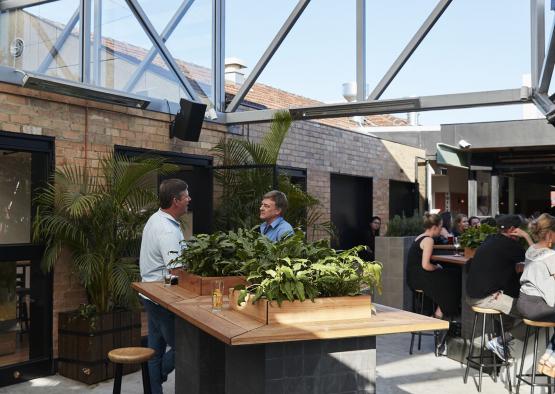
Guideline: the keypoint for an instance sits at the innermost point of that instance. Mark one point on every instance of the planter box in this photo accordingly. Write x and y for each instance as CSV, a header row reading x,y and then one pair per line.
x,y
202,285
469,252
392,252
322,309
83,351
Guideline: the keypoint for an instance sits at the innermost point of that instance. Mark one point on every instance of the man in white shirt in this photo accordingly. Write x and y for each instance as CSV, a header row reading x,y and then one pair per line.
x,y
162,241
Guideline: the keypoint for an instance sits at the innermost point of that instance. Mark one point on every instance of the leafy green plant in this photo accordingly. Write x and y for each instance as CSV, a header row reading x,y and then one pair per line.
x,y
335,274
99,219
473,237
249,173
243,251
402,226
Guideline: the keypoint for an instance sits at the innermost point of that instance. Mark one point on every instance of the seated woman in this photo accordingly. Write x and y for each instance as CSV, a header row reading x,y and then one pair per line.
x,y
442,285
444,234
460,224
537,291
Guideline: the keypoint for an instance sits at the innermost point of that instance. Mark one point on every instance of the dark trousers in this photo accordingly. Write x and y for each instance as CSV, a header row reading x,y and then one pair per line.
x,y
160,335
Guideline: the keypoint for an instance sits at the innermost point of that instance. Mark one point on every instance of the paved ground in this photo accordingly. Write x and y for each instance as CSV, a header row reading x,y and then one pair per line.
x,y
398,373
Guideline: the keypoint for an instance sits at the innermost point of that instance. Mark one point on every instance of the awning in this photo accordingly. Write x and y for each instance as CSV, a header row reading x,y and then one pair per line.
x,y
449,155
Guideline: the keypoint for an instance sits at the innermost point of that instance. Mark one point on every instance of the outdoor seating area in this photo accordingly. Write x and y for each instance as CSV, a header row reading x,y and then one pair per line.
x,y
258,196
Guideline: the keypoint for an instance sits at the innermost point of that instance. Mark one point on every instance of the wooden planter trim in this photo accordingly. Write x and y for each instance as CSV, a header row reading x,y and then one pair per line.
x,y
202,285
322,309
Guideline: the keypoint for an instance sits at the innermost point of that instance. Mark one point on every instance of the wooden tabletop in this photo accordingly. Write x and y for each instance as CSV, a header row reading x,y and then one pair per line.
x,y
235,328
444,247
449,258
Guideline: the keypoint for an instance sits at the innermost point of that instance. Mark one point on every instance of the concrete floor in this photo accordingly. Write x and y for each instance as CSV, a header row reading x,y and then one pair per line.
x,y
398,373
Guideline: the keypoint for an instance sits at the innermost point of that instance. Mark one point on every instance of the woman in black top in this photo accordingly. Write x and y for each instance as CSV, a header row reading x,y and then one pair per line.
x,y
442,285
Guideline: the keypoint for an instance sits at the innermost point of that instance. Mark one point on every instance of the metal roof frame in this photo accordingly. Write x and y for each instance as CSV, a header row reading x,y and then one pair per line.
x,y
542,64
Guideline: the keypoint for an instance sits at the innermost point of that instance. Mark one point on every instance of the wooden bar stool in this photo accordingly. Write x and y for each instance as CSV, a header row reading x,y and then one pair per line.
x,y
535,326
131,355
418,307
471,359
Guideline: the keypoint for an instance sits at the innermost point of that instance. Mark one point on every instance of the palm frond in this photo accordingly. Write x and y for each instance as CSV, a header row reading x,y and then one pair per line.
x,y
273,141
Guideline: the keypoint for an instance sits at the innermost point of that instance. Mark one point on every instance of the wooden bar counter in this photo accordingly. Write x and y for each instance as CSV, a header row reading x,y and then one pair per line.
x,y
229,352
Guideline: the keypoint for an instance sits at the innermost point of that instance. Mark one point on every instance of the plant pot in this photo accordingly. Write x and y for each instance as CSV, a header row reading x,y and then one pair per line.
x,y
83,350
469,252
322,309
202,285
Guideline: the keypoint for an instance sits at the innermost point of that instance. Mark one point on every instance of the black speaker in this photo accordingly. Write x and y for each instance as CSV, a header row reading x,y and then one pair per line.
x,y
188,121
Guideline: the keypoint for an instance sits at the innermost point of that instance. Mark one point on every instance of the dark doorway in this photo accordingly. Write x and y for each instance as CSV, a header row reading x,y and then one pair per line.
x,y
351,209
403,198
197,172
25,291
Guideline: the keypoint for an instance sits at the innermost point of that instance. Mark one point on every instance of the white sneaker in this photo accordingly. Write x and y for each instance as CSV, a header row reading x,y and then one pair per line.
x,y
497,348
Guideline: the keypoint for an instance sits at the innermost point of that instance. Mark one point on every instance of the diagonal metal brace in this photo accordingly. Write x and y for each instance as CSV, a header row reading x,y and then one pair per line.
x,y
168,30
272,48
409,49
159,44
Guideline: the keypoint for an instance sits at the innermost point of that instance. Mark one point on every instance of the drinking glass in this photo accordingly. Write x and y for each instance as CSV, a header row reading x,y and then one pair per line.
x,y
457,245
167,277
217,295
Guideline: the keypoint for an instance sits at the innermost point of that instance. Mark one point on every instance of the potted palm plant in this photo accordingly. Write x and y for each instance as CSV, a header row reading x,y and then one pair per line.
x,y
98,219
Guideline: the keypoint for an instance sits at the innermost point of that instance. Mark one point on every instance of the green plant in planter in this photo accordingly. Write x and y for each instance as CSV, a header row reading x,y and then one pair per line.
x,y
473,237
402,226
99,219
244,251
337,274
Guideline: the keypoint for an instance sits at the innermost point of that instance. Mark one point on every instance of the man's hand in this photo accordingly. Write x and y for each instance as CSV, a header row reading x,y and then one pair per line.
x,y
517,232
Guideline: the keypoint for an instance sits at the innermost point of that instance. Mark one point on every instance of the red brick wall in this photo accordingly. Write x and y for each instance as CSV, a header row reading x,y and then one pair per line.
x,y
86,130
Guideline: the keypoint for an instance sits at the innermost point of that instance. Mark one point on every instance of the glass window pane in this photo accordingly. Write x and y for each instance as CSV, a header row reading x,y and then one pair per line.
x,y
29,36
14,312
191,44
15,197
121,52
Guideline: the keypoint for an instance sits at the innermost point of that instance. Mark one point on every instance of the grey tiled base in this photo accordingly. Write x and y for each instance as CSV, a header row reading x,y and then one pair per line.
x,y
338,366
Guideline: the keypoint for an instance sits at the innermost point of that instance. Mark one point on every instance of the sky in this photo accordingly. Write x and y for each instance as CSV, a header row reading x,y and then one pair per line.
x,y
477,45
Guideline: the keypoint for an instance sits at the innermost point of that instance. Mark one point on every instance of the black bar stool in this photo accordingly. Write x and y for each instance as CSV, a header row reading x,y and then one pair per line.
x,y
471,359
418,307
534,326
131,355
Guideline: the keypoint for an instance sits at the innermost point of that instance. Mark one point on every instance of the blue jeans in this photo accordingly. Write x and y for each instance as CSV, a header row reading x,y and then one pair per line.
x,y
160,334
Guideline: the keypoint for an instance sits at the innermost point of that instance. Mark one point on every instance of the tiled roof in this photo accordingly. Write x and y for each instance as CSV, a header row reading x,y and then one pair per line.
x,y
260,94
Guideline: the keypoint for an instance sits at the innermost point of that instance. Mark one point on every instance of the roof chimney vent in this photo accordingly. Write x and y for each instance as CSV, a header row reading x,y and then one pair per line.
x,y
350,91
233,70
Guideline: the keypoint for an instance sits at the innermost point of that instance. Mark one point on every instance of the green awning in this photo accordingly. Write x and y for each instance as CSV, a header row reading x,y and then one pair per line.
x,y
449,155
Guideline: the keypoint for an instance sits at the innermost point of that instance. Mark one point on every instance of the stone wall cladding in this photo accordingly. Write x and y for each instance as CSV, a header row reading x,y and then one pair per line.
x,y
86,130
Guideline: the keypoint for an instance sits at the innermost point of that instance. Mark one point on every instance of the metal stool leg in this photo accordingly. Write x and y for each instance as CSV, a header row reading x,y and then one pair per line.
x,y
549,388
534,361
491,335
506,352
524,349
470,349
482,353
117,379
421,297
146,378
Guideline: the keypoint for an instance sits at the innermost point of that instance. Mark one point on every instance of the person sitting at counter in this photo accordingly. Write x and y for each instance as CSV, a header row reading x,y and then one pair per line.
x,y
492,280
474,221
441,285
460,224
537,284
272,208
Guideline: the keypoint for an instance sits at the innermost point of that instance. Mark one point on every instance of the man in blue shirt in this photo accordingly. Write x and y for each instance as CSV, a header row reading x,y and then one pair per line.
x,y
162,242
272,208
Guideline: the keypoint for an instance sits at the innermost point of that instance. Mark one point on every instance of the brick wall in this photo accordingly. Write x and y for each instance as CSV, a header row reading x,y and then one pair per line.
x,y
86,130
